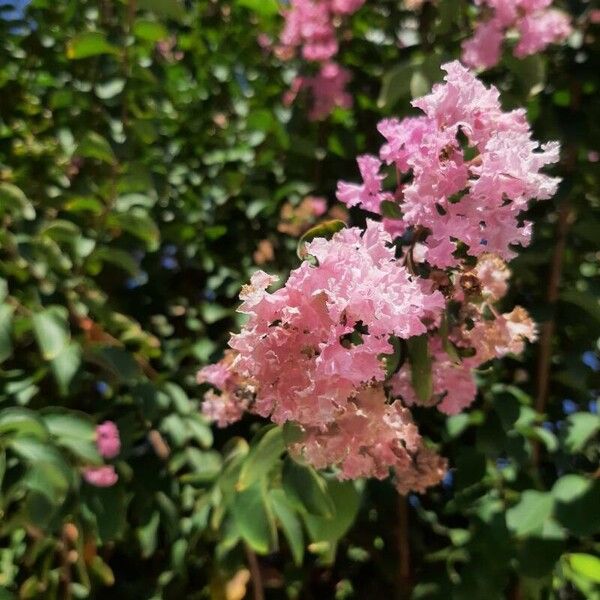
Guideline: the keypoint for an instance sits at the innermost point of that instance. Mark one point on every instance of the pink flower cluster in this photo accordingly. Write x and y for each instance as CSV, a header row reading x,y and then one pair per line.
x,y
108,443
466,170
537,25
487,337
311,26
319,350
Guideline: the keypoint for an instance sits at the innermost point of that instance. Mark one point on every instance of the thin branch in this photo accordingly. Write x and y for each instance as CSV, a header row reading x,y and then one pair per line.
x,y
257,583
547,329
404,560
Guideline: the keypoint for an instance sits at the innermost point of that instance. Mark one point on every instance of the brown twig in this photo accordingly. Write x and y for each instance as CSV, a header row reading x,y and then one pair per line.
x,y
548,328
257,583
404,562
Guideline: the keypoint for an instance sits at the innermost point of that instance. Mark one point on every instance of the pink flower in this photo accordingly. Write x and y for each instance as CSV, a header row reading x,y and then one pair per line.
x,y
477,202
318,205
493,276
310,25
105,476
326,327
235,392
107,439
541,29
368,439
485,47
537,25
328,90
369,195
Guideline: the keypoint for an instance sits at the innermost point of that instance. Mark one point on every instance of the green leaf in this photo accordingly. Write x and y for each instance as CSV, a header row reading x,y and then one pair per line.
x,y
93,145
580,429
586,565
395,85
576,504
168,8
447,345
530,513
306,489
138,223
346,502
75,432
116,257
118,363
151,31
51,332
419,84
292,528
254,518
101,570
147,534
390,209
586,301
6,321
420,367
14,201
65,366
264,453
456,424
107,509
22,422
91,43
393,362
109,89
326,230
266,8
570,487
49,474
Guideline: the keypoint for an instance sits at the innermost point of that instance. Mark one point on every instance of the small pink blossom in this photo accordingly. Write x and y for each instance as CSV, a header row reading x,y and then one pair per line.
x,y
537,25
108,440
105,476
327,89
369,194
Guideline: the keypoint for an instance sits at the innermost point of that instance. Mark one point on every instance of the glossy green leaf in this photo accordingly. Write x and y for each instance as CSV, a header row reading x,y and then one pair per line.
x,y
586,565
326,230
263,7
580,429
254,518
75,432
264,453
15,202
420,367
22,422
346,503
151,31
6,321
91,43
116,362
290,523
138,223
95,146
306,489
51,332
530,513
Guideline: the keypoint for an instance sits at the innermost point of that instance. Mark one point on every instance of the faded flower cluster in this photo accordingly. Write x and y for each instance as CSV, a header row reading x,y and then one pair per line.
x,y
401,313
311,28
537,26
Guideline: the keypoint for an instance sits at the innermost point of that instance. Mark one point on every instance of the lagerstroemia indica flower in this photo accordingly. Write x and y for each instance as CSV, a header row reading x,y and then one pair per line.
x,y
317,350
311,27
108,441
536,24
105,476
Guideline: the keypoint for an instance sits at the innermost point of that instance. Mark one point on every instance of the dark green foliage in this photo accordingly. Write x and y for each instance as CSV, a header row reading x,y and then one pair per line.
x,y
144,153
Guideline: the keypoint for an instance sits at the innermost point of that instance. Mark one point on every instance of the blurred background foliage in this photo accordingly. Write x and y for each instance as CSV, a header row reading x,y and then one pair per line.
x,y
147,162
